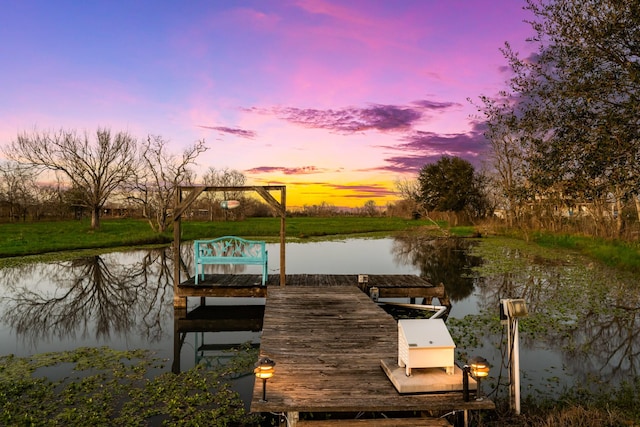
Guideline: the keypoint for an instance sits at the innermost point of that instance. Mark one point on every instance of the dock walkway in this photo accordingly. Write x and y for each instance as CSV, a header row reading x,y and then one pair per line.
x,y
248,285
328,343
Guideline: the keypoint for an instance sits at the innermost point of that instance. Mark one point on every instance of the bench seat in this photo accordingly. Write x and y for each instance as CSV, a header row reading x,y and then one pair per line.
x,y
230,250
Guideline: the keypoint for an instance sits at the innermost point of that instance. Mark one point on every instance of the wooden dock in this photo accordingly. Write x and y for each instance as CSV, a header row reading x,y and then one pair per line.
x,y
328,343
249,285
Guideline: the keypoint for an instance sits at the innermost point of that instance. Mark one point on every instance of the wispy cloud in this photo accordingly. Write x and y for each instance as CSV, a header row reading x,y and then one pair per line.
x,y
423,147
302,170
380,117
434,105
232,131
363,191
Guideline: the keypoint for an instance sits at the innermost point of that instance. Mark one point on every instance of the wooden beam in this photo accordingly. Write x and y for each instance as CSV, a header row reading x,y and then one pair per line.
x,y
283,239
232,188
180,206
270,199
193,195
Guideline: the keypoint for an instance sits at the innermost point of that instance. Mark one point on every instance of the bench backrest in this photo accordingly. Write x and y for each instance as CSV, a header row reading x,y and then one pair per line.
x,y
230,246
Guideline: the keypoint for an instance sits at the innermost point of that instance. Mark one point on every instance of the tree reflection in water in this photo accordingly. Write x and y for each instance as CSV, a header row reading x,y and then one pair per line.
x,y
582,316
586,313
90,295
440,260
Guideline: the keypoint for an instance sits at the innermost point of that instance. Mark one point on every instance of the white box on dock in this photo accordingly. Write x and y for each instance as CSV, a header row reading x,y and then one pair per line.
x,y
425,343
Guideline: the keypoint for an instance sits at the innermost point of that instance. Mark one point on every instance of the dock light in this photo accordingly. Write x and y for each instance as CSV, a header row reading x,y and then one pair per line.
x,y
264,369
478,369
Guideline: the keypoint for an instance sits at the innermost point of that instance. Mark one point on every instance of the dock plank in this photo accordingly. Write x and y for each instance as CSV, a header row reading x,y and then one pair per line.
x,y
327,342
249,285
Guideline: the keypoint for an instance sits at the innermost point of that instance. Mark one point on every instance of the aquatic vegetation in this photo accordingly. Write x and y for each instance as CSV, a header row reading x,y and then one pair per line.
x,y
102,386
581,311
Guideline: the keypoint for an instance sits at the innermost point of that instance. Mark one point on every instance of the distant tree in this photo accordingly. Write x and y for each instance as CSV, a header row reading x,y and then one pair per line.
x,y
451,184
324,209
252,207
158,176
51,201
224,177
17,187
409,190
370,208
97,166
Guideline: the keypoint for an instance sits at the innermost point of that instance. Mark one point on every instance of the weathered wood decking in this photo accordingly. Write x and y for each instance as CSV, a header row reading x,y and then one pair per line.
x,y
248,285
327,342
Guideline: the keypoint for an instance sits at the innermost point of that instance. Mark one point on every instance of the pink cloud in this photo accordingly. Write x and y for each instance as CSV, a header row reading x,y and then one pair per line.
x,y
232,131
303,170
347,120
363,191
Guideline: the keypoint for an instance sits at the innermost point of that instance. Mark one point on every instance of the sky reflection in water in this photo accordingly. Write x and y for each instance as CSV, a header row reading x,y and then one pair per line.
x,y
125,301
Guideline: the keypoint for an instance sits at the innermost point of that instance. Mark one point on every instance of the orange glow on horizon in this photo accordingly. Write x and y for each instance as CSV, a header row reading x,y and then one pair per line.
x,y
342,195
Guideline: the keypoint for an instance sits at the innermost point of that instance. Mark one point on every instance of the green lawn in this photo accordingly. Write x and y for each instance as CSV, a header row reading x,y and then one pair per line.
x,y
31,238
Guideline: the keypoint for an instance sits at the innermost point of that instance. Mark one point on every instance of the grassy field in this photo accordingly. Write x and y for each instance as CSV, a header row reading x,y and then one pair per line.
x,y
32,238
614,253
38,238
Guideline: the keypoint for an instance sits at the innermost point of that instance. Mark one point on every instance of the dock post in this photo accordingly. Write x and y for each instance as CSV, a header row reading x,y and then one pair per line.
x,y
291,419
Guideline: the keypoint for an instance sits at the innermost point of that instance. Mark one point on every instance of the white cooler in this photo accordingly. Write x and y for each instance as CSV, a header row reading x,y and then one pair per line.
x,y
425,343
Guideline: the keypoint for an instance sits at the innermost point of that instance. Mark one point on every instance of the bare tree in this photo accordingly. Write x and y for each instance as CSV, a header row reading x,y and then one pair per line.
x,y
98,167
224,177
369,208
159,174
508,144
409,191
17,186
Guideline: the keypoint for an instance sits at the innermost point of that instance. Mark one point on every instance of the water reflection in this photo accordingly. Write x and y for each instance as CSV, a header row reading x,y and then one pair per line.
x,y
440,260
587,316
602,341
204,328
581,326
90,298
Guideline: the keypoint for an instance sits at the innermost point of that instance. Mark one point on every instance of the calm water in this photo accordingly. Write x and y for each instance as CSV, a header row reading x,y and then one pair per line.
x,y
125,301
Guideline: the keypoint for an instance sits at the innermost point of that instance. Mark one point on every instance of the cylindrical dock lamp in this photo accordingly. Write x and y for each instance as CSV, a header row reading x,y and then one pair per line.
x,y
264,369
478,369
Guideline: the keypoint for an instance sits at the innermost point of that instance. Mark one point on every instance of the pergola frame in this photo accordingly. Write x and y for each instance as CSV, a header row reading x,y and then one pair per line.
x,y
181,204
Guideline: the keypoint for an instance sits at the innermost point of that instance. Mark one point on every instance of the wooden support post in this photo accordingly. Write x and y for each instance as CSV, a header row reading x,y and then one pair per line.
x,y
292,419
178,302
283,214
179,313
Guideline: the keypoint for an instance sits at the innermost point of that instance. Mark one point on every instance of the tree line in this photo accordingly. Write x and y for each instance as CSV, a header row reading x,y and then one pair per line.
x,y
106,172
565,134
89,170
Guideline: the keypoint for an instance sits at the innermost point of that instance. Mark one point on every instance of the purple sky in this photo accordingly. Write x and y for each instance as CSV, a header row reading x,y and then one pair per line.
x,y
335,99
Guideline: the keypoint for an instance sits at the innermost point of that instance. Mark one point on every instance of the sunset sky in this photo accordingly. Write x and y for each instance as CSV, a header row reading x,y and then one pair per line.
x,y
335,99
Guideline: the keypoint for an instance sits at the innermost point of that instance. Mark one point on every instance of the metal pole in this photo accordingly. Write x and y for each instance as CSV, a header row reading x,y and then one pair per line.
x,y
515,366
510,362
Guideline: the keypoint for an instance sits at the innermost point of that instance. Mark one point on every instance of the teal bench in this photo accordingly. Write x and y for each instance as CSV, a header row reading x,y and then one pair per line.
x,y
230,250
